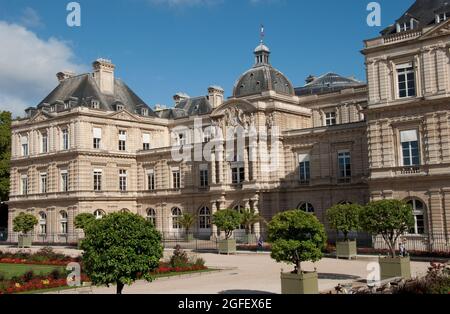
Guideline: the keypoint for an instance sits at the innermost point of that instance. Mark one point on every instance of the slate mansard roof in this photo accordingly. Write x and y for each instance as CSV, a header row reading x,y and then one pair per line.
x,y
81,90
423,11
195,106
327,83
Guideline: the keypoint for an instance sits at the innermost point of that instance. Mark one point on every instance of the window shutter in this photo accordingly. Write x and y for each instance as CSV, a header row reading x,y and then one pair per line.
x,y
146,138
408,136
24,140
97,133
303,158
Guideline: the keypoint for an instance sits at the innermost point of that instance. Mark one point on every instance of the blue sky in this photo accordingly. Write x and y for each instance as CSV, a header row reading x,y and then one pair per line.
x,y
161,47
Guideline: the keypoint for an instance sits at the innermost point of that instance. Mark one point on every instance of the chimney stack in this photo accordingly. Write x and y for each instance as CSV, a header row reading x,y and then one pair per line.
x,y
64,75
215,96
179,97
104,75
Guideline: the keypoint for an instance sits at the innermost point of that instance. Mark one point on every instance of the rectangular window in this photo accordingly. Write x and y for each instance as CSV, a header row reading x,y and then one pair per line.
x,y
98,180
345,169
122,180
204,176
44,143
237,175
65,139
176,179
406,81
24,185
97,135
410,148
64,181
330,118
43,183
122,140
146,141
304,168
181,139
151,180
24,142
207,135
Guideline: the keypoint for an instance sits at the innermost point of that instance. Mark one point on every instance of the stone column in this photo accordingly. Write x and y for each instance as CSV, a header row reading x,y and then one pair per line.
x,y
435,213
256,226
253,155
220,158
246,165
214,209
446,192
11,234
213,168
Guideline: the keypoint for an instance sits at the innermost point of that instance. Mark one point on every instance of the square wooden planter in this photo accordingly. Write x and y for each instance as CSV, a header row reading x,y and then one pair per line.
x,y
25,241
395,267
189,237
346,249
227,246
304,283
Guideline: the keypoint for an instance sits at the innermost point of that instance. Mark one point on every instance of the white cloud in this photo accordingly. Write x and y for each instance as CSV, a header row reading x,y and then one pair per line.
x,y
30,18
28,65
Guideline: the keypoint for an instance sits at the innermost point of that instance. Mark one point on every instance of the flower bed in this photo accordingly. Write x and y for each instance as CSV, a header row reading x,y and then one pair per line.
x,y
165,269
38,283
7,260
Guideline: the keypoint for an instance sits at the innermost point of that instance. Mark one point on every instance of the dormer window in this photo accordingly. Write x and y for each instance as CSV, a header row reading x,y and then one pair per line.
x,y
403,27
441,17
53,108
406,25
144,112
95,104
66,105
119,107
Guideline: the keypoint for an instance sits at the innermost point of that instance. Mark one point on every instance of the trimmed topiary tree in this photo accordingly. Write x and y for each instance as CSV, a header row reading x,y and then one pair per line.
x,y
388,218
24,223
83,220
227,221
120,249
297,237
344,218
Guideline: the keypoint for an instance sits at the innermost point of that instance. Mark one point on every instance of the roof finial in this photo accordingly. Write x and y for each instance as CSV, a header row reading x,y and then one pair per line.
x,y
262,33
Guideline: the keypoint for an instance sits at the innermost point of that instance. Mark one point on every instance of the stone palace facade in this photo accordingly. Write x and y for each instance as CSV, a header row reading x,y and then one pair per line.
x,y
93,146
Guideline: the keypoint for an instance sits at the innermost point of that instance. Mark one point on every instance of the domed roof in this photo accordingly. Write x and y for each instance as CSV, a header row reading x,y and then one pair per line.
x,y
262,77
329,82
262,47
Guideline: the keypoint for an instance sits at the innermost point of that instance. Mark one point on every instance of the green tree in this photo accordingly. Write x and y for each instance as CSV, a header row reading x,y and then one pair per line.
x,y
227,220
296,237
5,153
344,218
249,218
388,218
120,249
187,221
24,223
83,220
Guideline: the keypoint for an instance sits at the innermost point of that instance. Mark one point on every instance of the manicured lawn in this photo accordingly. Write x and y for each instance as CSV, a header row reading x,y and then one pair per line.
x,y
11,270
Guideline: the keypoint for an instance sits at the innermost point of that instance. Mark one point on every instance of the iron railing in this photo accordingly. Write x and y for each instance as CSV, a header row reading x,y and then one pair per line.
x,y
435,243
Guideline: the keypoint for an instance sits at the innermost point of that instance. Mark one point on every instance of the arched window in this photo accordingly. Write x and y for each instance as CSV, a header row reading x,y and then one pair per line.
x,y
419,216
176,215
63,222
306,207
204,218
42,223
345,203
151,216
124,210
99,214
